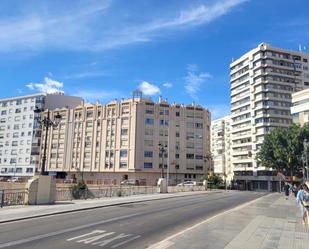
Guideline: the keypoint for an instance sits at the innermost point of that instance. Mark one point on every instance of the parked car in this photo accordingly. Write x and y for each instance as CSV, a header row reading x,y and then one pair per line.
x,y
129,182
14,179
187,183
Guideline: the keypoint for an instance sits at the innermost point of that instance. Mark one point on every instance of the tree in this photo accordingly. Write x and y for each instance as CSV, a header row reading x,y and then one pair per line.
x,y
282,149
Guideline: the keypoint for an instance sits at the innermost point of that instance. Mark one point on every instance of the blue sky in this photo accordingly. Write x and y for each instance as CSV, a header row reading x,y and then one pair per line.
x,y
104,49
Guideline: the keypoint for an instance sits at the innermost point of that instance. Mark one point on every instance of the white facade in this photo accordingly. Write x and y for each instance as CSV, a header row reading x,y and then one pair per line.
x,y
20,133
300,107
262,82
221,147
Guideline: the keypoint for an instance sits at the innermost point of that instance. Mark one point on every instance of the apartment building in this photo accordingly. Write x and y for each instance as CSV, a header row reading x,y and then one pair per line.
x,y
262,82
300,107
221,147
106,144
20,131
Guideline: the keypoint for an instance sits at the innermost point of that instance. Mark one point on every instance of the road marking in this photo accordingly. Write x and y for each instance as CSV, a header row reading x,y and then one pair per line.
x,y
164,243
126,241
86,234
88,238
72,229
107,241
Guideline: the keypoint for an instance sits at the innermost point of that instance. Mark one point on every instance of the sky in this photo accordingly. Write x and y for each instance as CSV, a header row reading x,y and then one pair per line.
x,y
105,49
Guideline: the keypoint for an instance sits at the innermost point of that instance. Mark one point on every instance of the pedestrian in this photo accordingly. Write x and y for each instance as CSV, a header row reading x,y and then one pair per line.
x,y
286,190
303,202
295,189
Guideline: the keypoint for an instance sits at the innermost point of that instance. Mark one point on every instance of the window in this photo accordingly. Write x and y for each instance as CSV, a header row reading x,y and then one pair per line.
x,y
148,154
190,156
123,165
123,153
149,121
148,132
124,131
18,110
148,143
29,170
177,134
177,114
89,114
176,155
148,111
163,122
198,125
147,165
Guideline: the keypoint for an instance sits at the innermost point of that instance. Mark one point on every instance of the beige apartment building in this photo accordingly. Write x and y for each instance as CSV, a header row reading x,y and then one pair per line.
x,y
262,82
221,147
106,144
300,107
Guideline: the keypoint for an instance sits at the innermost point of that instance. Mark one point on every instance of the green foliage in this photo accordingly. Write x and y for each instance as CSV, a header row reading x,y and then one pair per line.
x,y
215,180
282,149
78,190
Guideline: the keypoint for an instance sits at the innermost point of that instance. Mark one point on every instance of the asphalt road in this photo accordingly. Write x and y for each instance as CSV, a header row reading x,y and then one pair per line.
x,y
126,226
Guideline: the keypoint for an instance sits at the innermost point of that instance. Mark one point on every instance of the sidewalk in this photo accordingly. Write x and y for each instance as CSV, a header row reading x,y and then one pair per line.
x,y
13,213
269,222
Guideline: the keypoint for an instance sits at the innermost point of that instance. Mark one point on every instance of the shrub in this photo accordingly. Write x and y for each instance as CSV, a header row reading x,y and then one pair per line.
x,y
79,190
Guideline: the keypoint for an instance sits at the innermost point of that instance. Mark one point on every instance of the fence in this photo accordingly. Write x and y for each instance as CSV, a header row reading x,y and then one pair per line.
x,y
10,197
65,193
173,189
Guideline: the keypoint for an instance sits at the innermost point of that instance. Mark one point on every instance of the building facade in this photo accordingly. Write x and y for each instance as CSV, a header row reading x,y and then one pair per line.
x,y
221,147
106,144
262,82
300,107
20,131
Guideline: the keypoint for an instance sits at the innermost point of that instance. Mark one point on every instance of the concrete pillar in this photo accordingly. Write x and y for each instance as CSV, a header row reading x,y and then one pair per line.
x,y
41,190
162,184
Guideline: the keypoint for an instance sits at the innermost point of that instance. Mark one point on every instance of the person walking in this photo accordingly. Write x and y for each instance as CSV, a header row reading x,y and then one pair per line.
x,y
286,190
302,200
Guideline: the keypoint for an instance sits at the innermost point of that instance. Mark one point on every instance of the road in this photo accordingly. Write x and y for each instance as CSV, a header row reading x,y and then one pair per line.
x,y
126,226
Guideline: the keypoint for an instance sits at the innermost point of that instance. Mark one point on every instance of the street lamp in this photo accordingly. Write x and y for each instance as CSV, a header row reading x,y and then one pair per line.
x,y
46,122
162,150
306,156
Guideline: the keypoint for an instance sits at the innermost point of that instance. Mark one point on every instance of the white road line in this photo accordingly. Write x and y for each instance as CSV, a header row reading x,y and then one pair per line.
x,y
163,244
42,236
126,241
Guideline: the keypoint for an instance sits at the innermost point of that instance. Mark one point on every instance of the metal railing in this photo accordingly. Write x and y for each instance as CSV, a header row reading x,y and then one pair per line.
x,y
66,193
10,197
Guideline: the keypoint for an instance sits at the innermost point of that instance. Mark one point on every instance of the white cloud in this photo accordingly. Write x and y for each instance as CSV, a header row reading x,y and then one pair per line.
x,y
98,95
148,89
168,85
85,74
49,86
194,80
86,25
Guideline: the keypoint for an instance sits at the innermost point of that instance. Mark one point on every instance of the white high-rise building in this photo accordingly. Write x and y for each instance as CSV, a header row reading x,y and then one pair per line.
x,y
262,82
221,147
20,132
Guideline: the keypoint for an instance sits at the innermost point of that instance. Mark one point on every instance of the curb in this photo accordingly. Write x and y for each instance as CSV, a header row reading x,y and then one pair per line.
x,y
99,206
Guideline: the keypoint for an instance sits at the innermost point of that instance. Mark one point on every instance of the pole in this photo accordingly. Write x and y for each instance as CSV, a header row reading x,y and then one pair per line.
x,y
162,165
46,124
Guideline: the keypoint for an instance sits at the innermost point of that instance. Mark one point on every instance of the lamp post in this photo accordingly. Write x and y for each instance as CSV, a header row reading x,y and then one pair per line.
x,y
162,150
46,122
306,156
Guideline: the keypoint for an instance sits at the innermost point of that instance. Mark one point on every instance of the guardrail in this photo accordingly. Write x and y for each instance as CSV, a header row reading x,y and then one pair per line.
x,y
10,197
